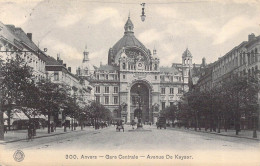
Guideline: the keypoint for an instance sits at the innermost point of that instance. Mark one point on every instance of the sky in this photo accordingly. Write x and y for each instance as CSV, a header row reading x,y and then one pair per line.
x,y
207,28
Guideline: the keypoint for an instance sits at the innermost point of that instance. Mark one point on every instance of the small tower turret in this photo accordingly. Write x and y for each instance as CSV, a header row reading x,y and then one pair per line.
x,y
85,55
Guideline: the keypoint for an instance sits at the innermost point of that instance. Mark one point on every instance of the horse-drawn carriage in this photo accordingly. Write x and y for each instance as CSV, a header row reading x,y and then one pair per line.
x,y
119,125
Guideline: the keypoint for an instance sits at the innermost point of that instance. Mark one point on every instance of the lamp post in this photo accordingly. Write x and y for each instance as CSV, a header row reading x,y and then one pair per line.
x,y
139,113
256,112
1,108
143,14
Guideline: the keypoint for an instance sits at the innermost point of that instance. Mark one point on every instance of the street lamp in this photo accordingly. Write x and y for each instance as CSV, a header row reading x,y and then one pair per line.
x,y
143,14
1,110
139,113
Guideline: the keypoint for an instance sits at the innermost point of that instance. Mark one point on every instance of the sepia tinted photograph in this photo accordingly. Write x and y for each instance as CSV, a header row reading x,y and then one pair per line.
x,y
113,82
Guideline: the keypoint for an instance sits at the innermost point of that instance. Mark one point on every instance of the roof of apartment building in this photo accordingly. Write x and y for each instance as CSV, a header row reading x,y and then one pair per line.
x,y
17,37
107,68
9,35
171,70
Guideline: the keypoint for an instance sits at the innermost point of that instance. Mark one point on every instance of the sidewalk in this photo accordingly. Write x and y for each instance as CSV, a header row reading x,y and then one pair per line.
x,y
247,134
18,135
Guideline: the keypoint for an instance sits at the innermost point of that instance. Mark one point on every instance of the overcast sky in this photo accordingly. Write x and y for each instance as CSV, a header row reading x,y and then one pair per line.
x,y
208,28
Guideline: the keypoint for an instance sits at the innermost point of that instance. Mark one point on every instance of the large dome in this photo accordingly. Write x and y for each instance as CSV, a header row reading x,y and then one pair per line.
x,y
127,41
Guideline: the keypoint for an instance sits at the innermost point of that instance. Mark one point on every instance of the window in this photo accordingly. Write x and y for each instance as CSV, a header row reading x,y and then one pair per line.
x,y
179,90
256,55
155,67
171,90
162,78
56,76
155,77
98,99
115,89
123,76
248,58
171,103
163,105
115,77
123,65
244,57
163,90
97,89
106,77
133,100
106,89
106,99
115,99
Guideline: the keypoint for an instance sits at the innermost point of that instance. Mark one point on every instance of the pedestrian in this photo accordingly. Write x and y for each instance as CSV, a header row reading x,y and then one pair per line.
x,y
54,126
30,130
52,129
5,126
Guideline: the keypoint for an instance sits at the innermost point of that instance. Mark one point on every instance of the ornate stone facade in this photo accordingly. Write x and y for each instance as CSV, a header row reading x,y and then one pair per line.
x,y
133,79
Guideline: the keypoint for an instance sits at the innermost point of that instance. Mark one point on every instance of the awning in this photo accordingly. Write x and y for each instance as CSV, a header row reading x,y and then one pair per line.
x,y
19,115
43,117
68,118
5,116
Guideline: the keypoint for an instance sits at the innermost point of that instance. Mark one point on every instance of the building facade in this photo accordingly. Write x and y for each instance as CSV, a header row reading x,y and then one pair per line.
x,y
242,60
133,79
15,41
57,72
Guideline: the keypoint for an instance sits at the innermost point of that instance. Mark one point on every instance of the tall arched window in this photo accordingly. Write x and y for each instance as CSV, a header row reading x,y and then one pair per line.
x,y
248,58
244,57
155,67
252,56
256,55
123,65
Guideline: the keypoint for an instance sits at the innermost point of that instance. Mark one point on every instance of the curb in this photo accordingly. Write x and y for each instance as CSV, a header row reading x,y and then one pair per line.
x,y
220,134
42,136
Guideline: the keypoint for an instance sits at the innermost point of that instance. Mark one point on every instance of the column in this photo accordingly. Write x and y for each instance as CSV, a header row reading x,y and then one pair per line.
x,y
128,106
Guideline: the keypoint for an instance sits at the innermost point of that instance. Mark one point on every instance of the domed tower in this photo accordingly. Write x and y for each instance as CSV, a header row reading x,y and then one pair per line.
x,y
186,58
129,26
127,42
86,69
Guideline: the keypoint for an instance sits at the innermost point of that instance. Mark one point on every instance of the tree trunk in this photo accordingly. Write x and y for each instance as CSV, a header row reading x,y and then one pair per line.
x,y
72,124
219,123
9,118
196,121
49,123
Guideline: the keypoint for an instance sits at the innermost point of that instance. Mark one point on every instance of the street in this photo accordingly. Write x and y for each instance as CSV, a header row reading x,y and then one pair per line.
x,y
155,139
108,146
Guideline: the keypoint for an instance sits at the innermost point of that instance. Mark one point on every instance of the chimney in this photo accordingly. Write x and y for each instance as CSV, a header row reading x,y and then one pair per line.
x,y
29,35
69,68
203,62
58,57
64,65
251,37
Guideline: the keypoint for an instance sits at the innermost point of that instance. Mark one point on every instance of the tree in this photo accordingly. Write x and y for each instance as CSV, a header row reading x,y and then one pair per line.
x,y
18,87
52,97
169,112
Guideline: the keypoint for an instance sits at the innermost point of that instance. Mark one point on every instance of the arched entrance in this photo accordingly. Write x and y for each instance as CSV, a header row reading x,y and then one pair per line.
x,y
140,102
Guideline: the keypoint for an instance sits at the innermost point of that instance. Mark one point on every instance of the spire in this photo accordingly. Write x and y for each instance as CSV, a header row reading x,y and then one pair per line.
x,y
186,53
85,54
129,26
154,50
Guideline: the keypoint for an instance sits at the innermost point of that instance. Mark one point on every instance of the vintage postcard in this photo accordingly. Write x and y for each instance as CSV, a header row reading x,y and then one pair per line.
x,y
113,82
